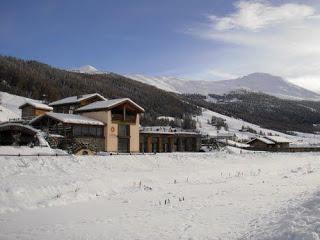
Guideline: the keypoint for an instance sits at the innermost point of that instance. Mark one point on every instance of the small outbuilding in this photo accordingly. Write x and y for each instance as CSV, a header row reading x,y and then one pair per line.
x,y
269,143
280,142
30,110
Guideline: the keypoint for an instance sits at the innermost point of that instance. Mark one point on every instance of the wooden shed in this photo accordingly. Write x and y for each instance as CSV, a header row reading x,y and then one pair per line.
x,y
30,110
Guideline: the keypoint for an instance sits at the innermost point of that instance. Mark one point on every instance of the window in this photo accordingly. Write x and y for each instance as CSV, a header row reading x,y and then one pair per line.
x,y
123,138
93,131
87,131
154,144
71,109
76,131
123,145
99,131
123,130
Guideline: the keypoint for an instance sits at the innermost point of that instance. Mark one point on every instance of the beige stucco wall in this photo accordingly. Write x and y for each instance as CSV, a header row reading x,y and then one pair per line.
x,y
112,143
134,135
111,137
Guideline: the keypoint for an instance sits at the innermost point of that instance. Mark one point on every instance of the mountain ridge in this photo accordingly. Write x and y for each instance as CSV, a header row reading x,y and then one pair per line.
x,y
255,82
41,81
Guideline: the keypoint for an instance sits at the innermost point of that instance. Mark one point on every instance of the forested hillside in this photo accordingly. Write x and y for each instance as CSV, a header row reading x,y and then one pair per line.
x,y
264,110
37,80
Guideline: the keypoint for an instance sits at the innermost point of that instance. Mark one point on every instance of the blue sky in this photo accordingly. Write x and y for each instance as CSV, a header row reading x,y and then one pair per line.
x,y
122,36
206,39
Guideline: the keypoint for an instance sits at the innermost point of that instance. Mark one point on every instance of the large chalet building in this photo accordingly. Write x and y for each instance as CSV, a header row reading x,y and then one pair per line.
x,y
91,123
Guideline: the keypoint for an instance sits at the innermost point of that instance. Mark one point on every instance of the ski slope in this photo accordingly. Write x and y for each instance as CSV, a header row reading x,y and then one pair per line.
x,y
164,196
235,125
9,105
6,114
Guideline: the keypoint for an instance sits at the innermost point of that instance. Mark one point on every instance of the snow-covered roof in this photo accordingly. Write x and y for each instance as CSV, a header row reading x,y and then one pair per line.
x,y
166,130
226,134
9,124
69,118
107,104
76,99
37,105
38,133
166,118
262,139
278,139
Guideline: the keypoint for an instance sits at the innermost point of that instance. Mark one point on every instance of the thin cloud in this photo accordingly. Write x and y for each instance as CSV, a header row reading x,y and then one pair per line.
x,y
256,15
278,39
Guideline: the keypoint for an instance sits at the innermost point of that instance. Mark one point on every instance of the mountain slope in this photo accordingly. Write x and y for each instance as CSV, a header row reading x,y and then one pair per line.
x,y
256,82
264,110
34,80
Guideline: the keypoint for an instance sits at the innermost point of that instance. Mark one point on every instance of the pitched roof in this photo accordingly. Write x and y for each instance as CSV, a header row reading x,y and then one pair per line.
x,y
278,139
36,105
76,99
108,104
262,139
69,118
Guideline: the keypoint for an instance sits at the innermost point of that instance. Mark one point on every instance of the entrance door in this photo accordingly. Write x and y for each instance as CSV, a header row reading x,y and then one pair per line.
x,y
123,145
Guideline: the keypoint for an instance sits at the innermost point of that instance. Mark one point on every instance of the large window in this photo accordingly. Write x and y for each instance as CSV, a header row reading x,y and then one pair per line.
x,y
123,145
124,130
87,131
155,144
123,138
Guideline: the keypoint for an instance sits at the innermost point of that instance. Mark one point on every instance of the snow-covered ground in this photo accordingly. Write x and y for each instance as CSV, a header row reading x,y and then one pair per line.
x,y
211,196
6,114
9,105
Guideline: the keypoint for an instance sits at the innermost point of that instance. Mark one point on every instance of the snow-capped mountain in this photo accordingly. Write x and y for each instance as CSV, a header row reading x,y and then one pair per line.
x,y
170,84
89,70
257,82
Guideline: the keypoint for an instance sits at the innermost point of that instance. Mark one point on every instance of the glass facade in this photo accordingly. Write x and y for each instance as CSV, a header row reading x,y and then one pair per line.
x,y
123,138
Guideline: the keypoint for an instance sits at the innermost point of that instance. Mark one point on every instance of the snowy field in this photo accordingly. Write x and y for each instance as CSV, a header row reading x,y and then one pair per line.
x,y
165,196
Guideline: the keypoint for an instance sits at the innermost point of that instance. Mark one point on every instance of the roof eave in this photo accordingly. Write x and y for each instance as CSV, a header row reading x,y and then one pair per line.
x,y
141,110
